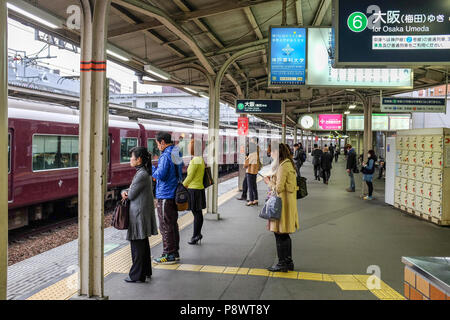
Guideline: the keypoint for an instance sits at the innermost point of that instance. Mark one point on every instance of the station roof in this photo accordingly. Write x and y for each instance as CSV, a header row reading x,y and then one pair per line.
x,y
170,35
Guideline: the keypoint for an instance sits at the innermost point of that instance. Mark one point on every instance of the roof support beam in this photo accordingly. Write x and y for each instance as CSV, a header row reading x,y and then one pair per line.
x,y
133,29
299,12
255,26
323,7
164,18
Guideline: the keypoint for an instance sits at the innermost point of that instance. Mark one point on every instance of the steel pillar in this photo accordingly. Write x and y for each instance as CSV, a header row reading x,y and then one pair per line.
x,y
367,138
3,149
213,134
283,123
295,135
93,135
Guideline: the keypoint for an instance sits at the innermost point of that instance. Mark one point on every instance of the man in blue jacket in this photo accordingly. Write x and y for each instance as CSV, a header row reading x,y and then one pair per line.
x,y
167,175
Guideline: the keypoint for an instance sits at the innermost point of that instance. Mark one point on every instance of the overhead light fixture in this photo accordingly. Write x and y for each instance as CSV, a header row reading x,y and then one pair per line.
x,y
190,90
352,106
28,14
157,72
204,96
116,55
347,112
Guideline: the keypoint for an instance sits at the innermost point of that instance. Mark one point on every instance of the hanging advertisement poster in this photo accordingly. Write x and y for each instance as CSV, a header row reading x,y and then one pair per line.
x,y
287,56
330,121
322,74
391,33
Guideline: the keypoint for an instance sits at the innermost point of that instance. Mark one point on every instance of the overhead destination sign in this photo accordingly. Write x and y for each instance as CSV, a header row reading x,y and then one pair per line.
x,y
428,105
392,33
287,56
322,74
259,106
380,122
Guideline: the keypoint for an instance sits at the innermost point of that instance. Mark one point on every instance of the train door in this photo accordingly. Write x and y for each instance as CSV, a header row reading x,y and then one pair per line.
x,y
10,166
109,164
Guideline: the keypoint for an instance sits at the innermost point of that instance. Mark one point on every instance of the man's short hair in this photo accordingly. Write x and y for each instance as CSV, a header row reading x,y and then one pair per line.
x,y
296,145
315,145
162,135
348,146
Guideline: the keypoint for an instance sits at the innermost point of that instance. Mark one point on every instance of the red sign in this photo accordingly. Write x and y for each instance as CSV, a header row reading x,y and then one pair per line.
x,y
316,138
243,126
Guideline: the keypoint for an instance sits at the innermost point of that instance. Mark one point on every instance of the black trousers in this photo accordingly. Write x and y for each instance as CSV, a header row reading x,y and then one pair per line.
x,y
326,175
370,186
198,222
252,187
317,171
284,247
244,187
336,156
142,266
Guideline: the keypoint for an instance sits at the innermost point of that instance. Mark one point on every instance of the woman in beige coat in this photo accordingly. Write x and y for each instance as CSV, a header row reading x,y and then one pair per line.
x,y
284,184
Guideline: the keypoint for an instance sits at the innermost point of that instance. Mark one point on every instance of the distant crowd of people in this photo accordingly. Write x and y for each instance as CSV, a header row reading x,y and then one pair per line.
x,y
322,160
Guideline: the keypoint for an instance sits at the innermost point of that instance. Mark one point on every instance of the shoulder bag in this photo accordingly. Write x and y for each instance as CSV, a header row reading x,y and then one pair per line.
x,y
121,215
207,178
272,208
181,194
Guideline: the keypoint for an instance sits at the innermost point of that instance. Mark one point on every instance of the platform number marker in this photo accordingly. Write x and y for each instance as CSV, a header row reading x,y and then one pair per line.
x,y
357,22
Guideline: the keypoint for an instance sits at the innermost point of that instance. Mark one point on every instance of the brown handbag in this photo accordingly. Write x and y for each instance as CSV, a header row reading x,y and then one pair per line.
x,y
121,215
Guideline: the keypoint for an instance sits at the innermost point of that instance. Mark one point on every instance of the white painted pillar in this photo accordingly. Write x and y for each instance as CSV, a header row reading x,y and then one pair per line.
x,y
3,149
93,134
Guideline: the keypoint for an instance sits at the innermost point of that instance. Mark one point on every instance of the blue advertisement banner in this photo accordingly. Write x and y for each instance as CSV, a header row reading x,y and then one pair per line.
x,y
287,64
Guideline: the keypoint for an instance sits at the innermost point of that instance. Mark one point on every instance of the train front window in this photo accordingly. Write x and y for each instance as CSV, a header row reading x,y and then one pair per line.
x,y
54,152
126,144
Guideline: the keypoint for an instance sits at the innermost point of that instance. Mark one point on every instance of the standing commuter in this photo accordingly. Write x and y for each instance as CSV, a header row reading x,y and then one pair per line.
x,y
167,175
331,150
284,184
194,184
326,165
297,159
142,221
336,154
316,154
253,165
351,165
244,186
382,168
368,171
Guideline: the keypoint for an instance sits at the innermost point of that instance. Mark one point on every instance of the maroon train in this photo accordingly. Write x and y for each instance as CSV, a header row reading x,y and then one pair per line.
x,y
43,156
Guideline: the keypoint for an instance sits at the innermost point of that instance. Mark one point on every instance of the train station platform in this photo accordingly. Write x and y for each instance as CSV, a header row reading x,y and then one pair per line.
x,y
342,239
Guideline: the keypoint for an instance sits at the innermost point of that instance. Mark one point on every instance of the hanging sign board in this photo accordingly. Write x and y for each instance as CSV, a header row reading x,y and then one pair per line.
x,y
429,105
256,106
380,122
287,56
322,122
391,33
242,126
322,74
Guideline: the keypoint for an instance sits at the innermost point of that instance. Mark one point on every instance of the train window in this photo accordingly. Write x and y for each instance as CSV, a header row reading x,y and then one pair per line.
x,y
153,148
225,145
54,152
183,142
126,144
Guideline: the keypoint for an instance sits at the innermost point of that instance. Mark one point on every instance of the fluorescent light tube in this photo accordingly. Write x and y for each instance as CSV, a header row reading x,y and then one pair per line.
x,y
118,56
347,112
190,90
352,106
31,16
204,96
158,74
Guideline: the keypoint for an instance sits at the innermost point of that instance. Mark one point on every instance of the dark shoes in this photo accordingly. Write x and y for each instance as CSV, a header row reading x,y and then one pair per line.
x,y
242,198
196,239
127,279
281,266
350,190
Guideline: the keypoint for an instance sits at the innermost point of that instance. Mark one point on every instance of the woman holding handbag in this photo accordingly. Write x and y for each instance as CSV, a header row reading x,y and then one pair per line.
x,y
196,189
285,187
142,221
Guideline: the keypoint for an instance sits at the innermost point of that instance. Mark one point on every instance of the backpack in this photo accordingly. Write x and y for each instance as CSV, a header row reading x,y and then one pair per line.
x,y
303,156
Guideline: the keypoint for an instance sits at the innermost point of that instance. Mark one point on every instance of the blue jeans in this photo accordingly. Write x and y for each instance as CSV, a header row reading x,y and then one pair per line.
x,y
352,180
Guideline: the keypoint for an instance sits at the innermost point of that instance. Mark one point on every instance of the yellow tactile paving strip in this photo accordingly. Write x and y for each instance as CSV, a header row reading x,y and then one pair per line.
x,y
120,262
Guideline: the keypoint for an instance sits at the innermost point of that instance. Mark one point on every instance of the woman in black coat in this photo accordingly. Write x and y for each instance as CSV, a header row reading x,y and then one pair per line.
x,y
326,165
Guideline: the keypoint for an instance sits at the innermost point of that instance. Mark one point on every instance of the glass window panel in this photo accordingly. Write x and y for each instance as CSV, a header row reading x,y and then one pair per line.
x,y
9,152
126,144
38,152
50,155
65,154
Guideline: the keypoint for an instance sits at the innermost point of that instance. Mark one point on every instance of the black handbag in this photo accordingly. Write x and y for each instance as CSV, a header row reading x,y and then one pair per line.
x,y
121,216
181,194
355,170
207,178
302,187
